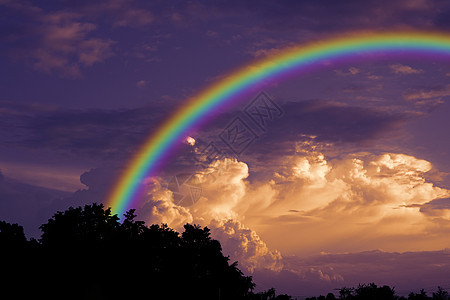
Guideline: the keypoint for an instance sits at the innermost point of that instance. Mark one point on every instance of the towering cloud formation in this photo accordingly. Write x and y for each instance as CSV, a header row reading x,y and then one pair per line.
x,y
312,204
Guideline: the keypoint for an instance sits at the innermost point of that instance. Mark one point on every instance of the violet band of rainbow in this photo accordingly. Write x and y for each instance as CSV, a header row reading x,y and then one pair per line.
x,y
162,141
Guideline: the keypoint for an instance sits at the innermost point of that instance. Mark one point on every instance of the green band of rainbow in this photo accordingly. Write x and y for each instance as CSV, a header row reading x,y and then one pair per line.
x,y
126,191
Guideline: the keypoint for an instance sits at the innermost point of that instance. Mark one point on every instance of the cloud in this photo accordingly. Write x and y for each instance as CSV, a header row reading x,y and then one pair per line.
x,y
28,205
135,18
58,41
365,193
245,246
31,205
159,207
438,208
222,188
427,93
211,33
329,123
63,178
350,71
141,84
345,192
64,44
407,271
91,133
427,98
404,69
347,204
305,19
350,203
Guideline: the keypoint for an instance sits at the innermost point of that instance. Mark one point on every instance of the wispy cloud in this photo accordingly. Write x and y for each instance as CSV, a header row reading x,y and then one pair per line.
x,y
426,93
404,69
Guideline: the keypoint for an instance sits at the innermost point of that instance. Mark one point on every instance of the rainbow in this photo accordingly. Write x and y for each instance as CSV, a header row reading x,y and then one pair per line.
x,y
162,141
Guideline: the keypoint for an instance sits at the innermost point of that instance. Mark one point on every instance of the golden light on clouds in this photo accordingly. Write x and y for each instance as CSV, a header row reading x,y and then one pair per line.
x,y
190,140
348,204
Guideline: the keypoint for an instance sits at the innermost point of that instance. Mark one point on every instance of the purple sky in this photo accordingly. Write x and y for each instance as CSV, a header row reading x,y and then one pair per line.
x,y
355,169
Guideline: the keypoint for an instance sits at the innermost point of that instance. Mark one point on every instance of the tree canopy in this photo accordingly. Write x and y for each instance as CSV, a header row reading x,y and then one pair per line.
x,y
373,292
87,253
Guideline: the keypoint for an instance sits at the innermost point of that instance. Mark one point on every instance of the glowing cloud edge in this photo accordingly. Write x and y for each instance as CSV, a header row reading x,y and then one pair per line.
x,y
159,145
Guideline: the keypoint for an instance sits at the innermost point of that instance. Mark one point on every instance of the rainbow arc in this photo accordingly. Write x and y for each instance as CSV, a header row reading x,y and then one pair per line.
x,y
158,147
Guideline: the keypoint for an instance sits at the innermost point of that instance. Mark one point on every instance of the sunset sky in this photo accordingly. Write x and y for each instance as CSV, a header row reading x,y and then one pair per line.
x,y
348,183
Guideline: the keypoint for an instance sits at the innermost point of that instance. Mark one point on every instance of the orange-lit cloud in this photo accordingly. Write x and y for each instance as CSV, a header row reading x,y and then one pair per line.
x,y
404,69
313,204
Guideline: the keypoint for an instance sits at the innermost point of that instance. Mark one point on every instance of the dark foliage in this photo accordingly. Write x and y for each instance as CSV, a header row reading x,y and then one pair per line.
x,y
86,253
269,295
11,235
372,292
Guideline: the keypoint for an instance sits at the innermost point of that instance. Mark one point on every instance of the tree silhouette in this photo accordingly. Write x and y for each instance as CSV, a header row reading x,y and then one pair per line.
x,y
270,294
440,294
371,291
346,293
87,253
79,226
330,296
420,296
11,235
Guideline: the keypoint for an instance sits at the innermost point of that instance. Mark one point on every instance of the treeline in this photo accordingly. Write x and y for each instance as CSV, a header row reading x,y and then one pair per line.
x,y
373,292
87,253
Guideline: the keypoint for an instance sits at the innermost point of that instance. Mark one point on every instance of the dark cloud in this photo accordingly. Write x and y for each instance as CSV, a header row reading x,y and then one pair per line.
x,y
325,121
31,206
90,134
436,208
70,36
28,205
99,183
304,19
334,122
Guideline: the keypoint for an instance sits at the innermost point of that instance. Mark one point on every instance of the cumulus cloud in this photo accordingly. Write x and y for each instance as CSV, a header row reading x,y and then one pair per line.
x,y
159,207
246,246
356,202
360,198
223,188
